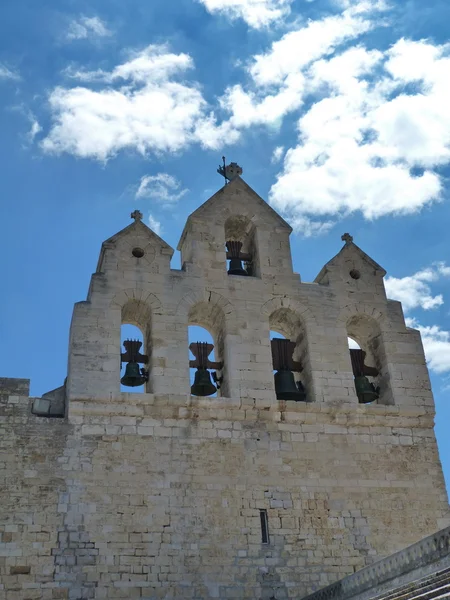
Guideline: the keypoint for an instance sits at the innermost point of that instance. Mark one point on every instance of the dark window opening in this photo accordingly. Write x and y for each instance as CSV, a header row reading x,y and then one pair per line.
x,y
264,526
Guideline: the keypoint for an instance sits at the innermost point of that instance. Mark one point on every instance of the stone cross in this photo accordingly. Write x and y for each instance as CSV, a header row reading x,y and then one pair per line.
x,y
136,215
347,238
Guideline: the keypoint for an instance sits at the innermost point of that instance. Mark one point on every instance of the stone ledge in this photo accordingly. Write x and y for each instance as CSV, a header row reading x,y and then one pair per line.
x,y
345,414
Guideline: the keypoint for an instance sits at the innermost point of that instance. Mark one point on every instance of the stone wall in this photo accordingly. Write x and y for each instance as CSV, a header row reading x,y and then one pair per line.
x,y
158,495
145,496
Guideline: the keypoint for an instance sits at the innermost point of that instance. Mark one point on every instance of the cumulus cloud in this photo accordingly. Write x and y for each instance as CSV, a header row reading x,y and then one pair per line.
x,y
147,111
367,145
414,291
154,225
256,13
87,27
436,343
279,77
6,73
163,188
316,39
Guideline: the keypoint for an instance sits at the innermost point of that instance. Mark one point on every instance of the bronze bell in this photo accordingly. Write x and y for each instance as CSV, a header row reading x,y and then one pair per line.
x,y
286,388
134,375
203,386
234,254
365,390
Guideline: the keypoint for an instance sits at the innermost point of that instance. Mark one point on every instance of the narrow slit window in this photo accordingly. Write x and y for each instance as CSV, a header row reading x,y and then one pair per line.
x,y
264,526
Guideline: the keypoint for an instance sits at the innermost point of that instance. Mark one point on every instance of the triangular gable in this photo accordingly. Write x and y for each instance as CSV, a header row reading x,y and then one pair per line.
x,y
349,247
220,198
135,228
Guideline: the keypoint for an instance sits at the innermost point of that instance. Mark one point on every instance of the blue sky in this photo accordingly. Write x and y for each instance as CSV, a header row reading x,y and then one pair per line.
x,y
338,111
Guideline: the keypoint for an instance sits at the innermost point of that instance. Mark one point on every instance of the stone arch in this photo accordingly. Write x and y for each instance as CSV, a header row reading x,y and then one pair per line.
x,y
278,302
291,319
366,326
357,309
137,307
229,212
122,297
213,312
194,297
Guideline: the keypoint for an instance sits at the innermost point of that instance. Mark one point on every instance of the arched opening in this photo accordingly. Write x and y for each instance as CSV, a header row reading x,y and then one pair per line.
x,y
368,360
290,360
240,247
131,333
206,350
136,347
202,384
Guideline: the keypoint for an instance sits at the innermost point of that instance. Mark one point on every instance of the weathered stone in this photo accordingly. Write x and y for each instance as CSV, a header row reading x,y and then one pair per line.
x,y
160,494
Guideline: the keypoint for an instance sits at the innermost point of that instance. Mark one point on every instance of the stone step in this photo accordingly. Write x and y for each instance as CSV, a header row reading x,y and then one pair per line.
x,y
432,587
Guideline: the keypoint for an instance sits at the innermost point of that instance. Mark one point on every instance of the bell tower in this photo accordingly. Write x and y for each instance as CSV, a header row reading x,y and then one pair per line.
x,y
284,466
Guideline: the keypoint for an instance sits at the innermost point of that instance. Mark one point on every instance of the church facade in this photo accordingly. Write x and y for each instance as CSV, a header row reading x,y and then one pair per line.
x,y
273,487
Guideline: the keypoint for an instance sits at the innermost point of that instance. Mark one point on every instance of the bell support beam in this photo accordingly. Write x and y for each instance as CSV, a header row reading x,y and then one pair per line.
x,y
282,352
201,351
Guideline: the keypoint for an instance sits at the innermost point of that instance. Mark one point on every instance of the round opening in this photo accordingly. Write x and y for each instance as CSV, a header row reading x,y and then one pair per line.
x,y
354,274
137,252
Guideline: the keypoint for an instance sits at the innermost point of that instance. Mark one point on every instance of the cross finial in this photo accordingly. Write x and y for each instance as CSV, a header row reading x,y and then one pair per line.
x,y
347,238
136,215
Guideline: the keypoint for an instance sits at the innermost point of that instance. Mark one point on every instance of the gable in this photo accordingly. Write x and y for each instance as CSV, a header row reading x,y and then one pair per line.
x,y
236,198
136,235
350,257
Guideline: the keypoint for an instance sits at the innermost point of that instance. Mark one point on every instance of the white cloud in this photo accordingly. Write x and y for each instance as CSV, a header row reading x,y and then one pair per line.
x,y
277,154
279,77
414,291
153,62
436,343
154,225
6,73
297,49
151,112
35,129
163,188
256,13
309,227
87,27
358,144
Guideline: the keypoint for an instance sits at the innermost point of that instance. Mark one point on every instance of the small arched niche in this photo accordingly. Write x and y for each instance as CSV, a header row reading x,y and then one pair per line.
x,y
206,324
240,247
290,358
368,360
136,356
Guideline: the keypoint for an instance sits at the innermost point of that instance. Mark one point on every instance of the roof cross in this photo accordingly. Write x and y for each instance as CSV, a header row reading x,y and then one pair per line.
x,y
136,215
347,238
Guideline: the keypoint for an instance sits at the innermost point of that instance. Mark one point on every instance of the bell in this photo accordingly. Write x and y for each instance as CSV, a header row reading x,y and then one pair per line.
x,y
133,376
236,267
286,388
203,386
234,254
365,390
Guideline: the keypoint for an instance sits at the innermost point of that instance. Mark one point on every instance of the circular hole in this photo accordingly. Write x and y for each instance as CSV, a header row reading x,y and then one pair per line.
x,y
354,274
137,252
